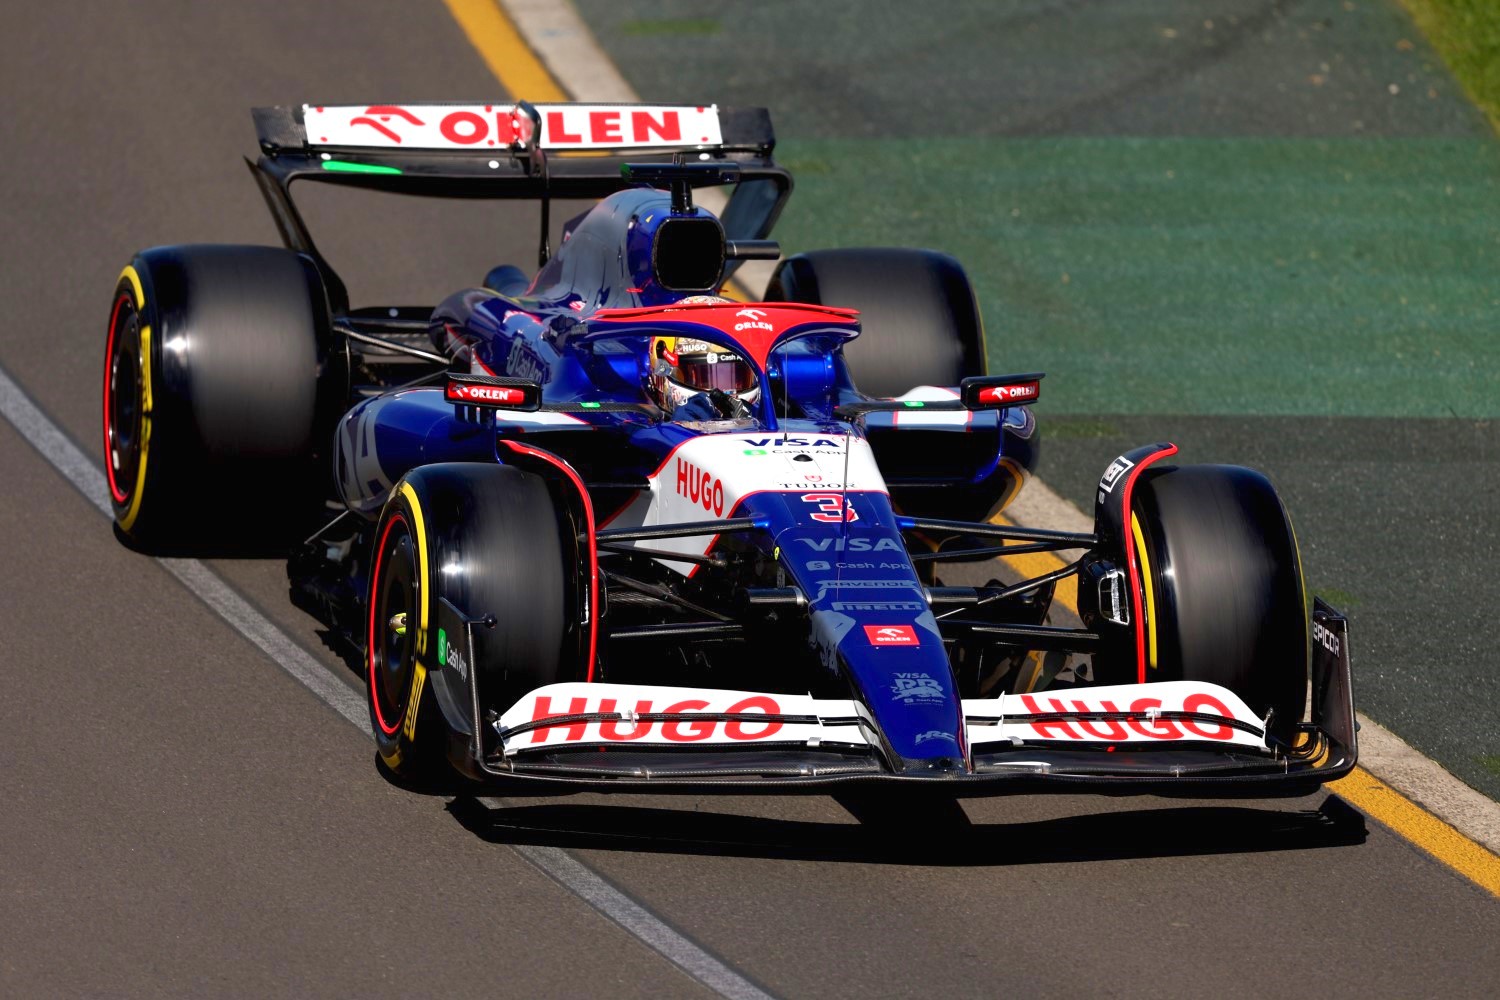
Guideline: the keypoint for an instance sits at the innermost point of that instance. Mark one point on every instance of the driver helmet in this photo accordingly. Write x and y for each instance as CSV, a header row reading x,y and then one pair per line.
x,y
683,367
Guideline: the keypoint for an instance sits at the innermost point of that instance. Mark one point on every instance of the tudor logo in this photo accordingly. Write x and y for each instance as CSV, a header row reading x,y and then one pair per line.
x,y
755,319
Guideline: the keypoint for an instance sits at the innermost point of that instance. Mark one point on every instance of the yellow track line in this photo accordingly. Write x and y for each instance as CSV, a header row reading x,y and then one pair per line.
x,y
1380,801
522,74
507,55
1360,788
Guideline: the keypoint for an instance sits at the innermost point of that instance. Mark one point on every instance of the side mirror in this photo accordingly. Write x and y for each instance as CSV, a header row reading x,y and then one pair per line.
x,y
496,392
996,392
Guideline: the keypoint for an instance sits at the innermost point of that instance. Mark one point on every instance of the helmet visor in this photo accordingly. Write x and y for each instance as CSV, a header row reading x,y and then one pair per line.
x,y
726,372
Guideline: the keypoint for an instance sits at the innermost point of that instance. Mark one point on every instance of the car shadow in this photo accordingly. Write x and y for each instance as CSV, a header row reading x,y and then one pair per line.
x,y
935,832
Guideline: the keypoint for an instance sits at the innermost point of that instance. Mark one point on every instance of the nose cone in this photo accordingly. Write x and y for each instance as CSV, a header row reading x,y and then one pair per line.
x,y
907,687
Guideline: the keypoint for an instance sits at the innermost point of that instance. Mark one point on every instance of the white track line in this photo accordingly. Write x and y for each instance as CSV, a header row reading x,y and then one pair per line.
x,y
206,585
635,918
565,45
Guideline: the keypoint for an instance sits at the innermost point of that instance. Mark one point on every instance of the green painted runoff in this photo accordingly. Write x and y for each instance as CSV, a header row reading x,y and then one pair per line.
x,y
1342,277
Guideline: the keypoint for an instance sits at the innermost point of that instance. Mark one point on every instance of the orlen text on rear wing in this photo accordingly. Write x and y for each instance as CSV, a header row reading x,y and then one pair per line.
x,y
493,151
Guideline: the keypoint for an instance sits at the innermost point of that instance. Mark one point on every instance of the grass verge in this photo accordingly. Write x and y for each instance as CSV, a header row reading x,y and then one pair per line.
x,y
1466,34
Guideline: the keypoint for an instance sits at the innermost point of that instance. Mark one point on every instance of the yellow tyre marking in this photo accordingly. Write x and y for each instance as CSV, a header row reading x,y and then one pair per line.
x,y
505,52
134,510
1307,607
1146,589
419,535
414,702
130,275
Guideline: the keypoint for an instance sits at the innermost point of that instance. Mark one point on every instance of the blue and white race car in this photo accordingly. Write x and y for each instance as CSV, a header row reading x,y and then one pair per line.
x,y
603,524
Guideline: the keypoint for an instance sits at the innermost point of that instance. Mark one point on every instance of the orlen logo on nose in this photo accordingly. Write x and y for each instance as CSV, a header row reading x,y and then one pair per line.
x,y
892,635
1009,393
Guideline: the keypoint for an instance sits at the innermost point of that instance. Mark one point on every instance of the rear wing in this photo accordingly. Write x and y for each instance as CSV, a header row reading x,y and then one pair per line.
x,y
492,151
477,150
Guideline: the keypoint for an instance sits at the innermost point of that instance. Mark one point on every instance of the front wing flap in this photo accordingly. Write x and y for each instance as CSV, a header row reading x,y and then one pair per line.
x,y
1177,738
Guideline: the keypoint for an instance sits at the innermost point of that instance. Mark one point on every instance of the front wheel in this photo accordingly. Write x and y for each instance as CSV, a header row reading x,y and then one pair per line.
x,y
1223,587
490,541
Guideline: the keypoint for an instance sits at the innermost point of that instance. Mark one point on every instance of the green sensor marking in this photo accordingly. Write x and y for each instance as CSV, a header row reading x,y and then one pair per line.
x,y
340,166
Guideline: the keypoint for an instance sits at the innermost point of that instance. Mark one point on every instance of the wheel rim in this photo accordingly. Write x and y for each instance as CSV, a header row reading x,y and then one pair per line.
x,y
392,654
122,399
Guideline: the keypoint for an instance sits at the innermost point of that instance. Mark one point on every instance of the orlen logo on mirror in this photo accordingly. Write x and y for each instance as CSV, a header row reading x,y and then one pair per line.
x,y
493,394
1010,393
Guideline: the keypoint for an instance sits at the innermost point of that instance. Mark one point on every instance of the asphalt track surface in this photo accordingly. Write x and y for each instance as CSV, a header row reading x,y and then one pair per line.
x,y
180,817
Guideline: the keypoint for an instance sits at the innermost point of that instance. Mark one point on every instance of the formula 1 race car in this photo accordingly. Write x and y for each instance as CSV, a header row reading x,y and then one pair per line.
x,y
603,525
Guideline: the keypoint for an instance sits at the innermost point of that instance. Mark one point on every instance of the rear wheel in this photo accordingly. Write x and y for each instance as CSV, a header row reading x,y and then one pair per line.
x,y
919,320
491,542
1223,580
217,383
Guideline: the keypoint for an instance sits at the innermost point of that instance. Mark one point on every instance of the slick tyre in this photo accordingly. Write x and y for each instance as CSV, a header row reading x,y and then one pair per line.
x,y
919,319
1224,593
217,380
491,542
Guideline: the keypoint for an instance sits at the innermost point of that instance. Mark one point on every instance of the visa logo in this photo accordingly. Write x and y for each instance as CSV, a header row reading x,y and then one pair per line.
x,y
795,442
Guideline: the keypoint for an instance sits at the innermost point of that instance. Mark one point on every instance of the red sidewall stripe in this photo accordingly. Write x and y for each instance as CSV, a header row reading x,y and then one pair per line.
x,y
374,612
109,363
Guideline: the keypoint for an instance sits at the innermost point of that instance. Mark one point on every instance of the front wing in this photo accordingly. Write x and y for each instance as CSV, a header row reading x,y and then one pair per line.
x,y
1176,738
